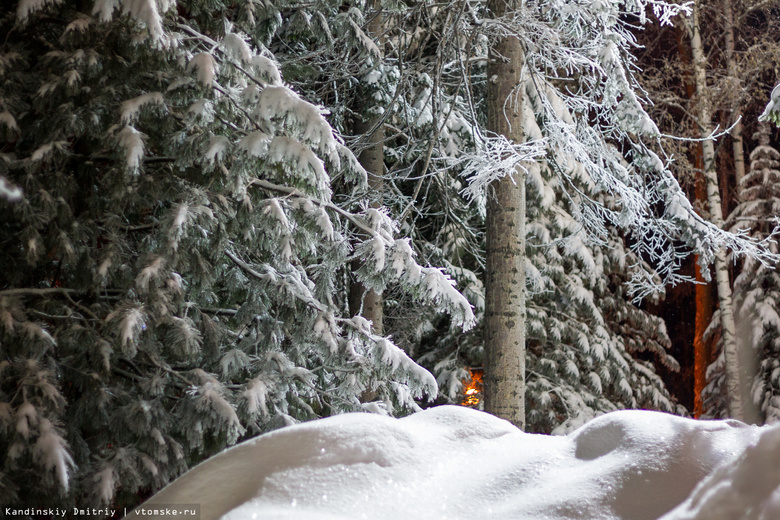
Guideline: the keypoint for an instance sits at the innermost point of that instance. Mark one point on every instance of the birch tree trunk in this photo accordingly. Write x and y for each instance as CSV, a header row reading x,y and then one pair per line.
x,y
704,116
504,376
367,302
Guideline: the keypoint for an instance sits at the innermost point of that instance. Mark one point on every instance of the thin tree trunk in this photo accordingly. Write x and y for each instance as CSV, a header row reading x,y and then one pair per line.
x,y
737,144
702,350
504,377
365,302
704,116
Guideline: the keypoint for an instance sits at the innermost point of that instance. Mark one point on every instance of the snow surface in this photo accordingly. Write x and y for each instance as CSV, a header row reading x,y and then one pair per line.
x,y
458,463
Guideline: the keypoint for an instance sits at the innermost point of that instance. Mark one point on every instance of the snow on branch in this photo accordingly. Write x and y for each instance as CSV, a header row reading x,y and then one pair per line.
x,y
129,322
571,125
28,7
205,66
772,110
237,47
267,69
494,158
142,11
382,253
50,450
8,191
132,142
282,106
131,107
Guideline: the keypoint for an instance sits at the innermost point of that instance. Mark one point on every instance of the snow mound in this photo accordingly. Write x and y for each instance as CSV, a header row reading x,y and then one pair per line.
x,y
749,489
459,463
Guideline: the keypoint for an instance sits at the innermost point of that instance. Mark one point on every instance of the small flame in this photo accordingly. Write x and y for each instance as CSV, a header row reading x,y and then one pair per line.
x,y
472,389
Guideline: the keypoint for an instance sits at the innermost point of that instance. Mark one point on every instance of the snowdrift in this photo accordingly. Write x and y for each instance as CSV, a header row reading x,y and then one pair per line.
x,y
458,463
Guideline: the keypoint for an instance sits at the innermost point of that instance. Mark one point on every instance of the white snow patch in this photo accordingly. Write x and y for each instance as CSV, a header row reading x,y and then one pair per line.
x,y
237,47
106,484
50,451
8,191
28,7
145,12
131,107
255,144
748,489
459,463
206,67
267,69
281,103
133,143
255,396
217,146
202,108
7,120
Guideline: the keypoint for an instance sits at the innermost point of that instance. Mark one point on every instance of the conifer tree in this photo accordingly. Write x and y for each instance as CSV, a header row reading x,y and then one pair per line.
x,y
176,224
584,335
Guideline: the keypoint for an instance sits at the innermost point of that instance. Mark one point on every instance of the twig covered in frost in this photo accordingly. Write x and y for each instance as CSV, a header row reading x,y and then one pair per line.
x,y
494,158
570,125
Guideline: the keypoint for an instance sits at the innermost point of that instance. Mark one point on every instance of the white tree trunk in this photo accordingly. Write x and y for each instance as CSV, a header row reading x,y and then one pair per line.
x,y
704,116
505,262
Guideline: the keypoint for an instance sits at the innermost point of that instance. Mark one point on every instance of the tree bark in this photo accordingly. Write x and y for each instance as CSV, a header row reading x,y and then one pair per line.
x,y
702,350
504,378
704,121
364,301
737,144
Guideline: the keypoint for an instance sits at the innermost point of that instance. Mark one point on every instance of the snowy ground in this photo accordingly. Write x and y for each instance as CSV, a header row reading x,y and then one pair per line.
x,y
458,463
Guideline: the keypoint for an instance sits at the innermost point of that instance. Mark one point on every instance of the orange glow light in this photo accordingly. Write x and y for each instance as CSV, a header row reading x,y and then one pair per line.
x,y
472,389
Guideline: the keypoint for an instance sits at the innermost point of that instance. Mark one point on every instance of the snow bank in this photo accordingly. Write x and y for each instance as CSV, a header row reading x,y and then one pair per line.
x,y
747,490
454,462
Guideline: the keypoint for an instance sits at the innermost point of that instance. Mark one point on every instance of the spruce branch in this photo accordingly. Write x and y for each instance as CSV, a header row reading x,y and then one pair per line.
x,y
248,268
217,311
167,369
293,192
38,292
82,308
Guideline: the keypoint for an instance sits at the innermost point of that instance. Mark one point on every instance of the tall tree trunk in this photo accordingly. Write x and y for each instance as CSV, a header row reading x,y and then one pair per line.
x,y
704,116
364,301
737,144
702,350
505,262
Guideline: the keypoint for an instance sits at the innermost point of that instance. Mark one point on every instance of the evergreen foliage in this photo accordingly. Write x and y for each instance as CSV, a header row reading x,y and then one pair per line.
x,y
584,334
179,214
174,270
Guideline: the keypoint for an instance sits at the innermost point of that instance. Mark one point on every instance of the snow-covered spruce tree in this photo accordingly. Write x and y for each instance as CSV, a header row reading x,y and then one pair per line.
x,y
756,296
585,336
595,106
414,92
589,307
586,333
173,271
